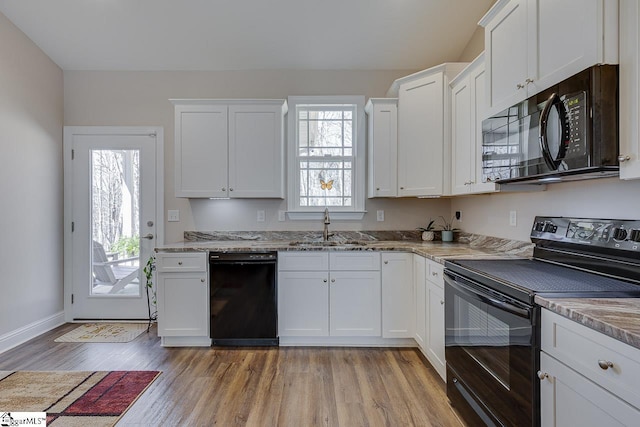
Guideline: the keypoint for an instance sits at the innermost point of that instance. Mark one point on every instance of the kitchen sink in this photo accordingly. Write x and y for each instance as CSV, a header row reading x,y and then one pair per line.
x,y
315,243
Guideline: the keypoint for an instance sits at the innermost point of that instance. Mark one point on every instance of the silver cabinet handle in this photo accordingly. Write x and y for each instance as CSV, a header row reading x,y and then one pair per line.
x,y
528,81
386,262
622,158
433,273
402,188
333,280
605,364
441,302
148,236
179,262
230,189
202,280
224,189
324,280
519,86
542,375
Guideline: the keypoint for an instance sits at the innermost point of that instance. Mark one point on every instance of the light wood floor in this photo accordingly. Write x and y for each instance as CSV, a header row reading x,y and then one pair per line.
x,y
257,386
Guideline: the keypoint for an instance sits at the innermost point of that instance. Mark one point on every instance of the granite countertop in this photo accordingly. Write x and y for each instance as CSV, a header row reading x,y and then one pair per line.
x,y
616,317
467,246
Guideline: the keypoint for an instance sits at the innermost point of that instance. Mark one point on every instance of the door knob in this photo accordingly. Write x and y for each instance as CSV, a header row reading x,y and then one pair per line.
x,y
148,236
623,158
605,364
542,375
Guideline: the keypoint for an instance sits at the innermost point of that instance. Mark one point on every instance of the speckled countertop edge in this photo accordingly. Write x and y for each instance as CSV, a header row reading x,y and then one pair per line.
x,y
618,318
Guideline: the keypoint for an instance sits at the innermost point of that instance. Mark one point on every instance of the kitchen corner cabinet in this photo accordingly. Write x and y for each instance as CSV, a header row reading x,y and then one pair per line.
x,y
629,86
324,294
586,378
435,317
467,110
420,298
531,45
183,299
229,148
383,147
397,294
424,149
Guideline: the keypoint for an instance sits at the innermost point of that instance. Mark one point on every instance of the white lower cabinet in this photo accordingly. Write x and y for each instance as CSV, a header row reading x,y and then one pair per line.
x,y
331,301
420,286
397,295
587,378
435,317
183,299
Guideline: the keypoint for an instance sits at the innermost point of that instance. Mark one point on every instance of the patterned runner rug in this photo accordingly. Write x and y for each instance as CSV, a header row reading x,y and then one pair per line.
x,y
104,332
74,398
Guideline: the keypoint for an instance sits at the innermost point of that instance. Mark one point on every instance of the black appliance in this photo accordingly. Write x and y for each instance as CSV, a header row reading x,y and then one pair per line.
x,y
567,132
243,297
492,325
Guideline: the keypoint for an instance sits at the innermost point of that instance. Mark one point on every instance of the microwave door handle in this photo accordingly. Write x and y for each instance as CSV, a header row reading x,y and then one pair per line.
x,y
502,305
542,137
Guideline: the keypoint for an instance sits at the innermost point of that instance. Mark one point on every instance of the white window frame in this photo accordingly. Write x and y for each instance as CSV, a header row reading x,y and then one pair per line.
x,y
357,210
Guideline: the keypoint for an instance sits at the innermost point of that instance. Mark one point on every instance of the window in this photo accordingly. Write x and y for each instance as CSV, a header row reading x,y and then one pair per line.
x,y
326,156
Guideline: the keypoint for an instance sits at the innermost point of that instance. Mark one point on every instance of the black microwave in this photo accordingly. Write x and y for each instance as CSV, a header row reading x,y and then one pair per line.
x,y
567,132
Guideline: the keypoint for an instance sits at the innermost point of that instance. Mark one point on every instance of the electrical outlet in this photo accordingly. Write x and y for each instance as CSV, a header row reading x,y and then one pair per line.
x,y
513,218
173,215
459,215
282,216
261,216
380,215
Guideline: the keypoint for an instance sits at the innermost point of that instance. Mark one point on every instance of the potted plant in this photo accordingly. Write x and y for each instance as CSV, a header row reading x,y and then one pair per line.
x,y
447,229
428,233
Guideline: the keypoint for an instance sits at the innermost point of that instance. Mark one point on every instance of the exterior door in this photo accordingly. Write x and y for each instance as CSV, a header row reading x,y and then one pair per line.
x,y
112,220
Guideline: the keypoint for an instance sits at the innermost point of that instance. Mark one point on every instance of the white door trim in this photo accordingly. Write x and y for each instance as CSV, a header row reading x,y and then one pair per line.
x,y
67,145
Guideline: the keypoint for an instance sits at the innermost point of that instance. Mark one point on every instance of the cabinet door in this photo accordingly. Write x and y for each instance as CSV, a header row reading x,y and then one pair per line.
x,y
435,326
478,102
565,37
383,149
201,151
569,399
303,304
420,286
397,295
355,303
629,86
256,151
183,304
462,137
421,136
506,56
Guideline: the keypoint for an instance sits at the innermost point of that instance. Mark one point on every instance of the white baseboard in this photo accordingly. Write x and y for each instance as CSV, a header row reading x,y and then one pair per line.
x,y
32,330
346,342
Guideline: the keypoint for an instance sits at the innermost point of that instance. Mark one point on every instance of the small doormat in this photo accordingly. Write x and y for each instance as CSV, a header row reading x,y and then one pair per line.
x,y
74,398
104,332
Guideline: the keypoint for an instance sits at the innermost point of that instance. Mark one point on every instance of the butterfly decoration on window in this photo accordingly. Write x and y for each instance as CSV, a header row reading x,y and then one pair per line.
x,y
326,185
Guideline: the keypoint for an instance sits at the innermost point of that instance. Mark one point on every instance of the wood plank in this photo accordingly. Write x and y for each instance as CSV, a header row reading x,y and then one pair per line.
x,y
288,386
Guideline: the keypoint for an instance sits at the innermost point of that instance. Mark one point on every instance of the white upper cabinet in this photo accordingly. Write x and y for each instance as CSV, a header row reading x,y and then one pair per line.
x,y
533,44
424,150
201,150
629,84
467,109
229,148
383,147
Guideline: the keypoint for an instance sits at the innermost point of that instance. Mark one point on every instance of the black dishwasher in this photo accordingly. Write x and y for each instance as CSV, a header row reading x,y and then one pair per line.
x,y
243,301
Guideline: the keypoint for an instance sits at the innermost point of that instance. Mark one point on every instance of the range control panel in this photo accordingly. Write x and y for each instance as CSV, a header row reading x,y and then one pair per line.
x,y
607,233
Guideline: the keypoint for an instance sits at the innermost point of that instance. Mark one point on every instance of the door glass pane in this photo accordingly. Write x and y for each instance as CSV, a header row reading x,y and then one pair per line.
x,y
115,220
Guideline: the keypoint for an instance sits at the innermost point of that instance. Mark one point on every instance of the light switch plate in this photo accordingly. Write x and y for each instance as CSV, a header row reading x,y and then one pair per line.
x,y
380,215
260,216
513,218
173,215
281,216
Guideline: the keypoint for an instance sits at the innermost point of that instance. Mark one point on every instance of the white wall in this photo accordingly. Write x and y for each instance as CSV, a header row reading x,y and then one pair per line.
x,y
31,115
600,198
141,98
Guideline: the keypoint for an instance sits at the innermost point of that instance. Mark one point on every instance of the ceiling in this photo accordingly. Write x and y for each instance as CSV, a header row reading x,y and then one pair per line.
x,y
247,34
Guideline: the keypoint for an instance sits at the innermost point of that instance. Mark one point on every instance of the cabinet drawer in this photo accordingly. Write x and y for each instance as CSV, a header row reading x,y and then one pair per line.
x,y
354,260
584,349
303,261
179,262
435,272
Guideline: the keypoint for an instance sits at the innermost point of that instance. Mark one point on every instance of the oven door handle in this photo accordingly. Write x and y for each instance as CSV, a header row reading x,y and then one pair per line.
x,y
502,305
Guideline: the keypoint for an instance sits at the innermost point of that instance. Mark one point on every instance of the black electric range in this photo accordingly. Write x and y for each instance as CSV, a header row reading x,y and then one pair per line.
x,y
492,325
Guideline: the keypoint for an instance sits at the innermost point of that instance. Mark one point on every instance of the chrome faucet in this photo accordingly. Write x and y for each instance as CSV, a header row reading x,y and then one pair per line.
x,y
327,221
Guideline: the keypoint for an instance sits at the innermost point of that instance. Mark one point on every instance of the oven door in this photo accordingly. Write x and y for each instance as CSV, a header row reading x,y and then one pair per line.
x,y
491,352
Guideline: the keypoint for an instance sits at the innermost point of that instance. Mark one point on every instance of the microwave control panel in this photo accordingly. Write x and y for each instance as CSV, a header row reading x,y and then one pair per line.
x,y
575,131
607,233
